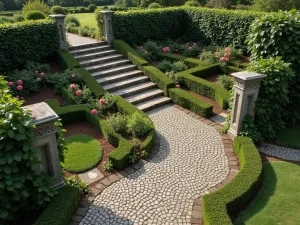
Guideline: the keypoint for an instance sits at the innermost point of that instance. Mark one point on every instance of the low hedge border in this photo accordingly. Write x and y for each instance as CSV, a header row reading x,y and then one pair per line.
x,y
158,77
66,60
217,206
68,96
190,102
61,208
126,50
191,62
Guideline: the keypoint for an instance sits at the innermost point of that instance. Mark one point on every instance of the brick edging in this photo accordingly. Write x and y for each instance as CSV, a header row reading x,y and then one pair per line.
x,y
233,164
100,185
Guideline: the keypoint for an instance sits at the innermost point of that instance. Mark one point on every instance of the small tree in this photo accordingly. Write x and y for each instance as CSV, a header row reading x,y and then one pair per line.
x,y
21,189
275,5
220,3
36,5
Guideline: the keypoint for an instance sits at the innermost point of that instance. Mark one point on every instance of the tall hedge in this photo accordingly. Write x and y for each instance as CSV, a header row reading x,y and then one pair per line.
x,y
26,41
212,26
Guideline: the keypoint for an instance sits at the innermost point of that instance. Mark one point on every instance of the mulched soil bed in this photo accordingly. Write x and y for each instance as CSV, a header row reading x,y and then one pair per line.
x,y
42,95
87,129
216,110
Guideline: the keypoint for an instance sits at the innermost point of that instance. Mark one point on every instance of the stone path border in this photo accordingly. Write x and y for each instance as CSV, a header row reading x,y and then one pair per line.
x,y
233,164
196,217
280,152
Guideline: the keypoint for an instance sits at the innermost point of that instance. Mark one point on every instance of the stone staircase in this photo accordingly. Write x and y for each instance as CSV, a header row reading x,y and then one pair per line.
x,y
118,75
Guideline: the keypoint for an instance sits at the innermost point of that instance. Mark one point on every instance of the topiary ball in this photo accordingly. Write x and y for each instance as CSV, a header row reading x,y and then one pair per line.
x,y
56,9
192,3
92,7
35,15
154,5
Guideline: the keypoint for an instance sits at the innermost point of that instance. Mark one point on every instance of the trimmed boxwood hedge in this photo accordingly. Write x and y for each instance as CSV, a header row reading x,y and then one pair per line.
x,y
217,206
66,60
206,88
211,26
191,62
68,96
189,101
158,77
61,208
126,50
27,41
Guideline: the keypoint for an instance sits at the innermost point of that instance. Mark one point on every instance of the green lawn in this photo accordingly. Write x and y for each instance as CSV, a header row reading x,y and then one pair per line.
x,y
84,152
88,19
278,202
289,137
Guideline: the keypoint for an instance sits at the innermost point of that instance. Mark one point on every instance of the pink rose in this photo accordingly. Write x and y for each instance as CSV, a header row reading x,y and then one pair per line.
x,y
73,75
190,48
78,93
226,55
42,74
38,79
72,86
177,86
227,49
94,111
20,87
19,82
36,71
146,52
194,43
102,101
217,54
223,59
226,59
10,83
17,96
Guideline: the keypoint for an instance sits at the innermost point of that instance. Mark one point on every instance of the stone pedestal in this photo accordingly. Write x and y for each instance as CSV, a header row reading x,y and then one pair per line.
x,y
44,118
246,89
60,21
107,26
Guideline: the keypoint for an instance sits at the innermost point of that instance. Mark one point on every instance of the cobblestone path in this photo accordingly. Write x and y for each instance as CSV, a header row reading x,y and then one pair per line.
x,y
190,161
280,152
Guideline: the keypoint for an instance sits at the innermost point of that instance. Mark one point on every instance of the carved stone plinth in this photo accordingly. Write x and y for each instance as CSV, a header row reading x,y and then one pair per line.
x,y
60,21
107,26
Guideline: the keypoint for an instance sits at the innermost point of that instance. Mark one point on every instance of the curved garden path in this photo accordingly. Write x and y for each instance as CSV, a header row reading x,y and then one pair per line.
x,y
190,161
280,152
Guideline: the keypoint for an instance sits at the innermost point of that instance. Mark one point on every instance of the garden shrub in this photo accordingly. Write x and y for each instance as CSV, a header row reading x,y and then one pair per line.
x,y
15,52
118,122
154,5
226,82
158,77
19,182
192,3
235,195
230,27
92,7
139,125
72,19
179,66
273,98
190,62
277,34
36,5
56,9
275,6
165,66
190,102
66,60
66,201
34,15
87,31
6,19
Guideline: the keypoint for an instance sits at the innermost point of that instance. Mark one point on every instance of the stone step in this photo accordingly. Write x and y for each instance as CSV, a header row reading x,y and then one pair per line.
x,y
113,71
125,83
108,65
119,77
95,55
90,50
144,96
77,47
138,88
101,60
153,103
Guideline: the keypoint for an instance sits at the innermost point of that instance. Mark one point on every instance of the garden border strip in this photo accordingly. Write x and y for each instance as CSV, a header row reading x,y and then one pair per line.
x,y
61,208
66,60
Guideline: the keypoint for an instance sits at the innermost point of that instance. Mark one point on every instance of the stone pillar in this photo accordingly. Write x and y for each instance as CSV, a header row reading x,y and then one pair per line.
x,y
60,21
107,26
44,118
246,89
